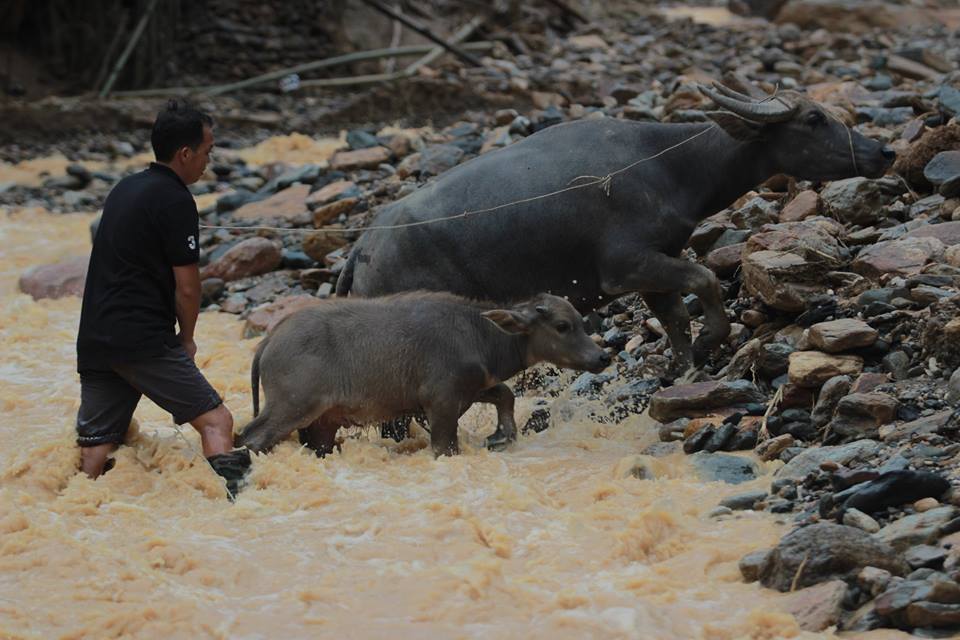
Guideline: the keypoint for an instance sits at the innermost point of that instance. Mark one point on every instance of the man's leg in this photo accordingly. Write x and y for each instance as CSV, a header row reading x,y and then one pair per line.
x,y
216,430
107,403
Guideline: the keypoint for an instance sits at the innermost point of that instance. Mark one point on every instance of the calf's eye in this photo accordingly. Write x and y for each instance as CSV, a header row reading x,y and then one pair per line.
x,y
563,327
815,118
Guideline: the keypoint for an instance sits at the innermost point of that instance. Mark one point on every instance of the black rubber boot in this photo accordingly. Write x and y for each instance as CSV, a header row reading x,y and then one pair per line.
x,y
232,467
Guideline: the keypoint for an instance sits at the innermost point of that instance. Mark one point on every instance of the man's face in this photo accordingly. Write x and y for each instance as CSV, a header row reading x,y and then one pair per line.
x,y
195,161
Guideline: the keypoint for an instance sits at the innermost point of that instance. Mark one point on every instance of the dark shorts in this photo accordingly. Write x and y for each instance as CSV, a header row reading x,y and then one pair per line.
x,y
109,396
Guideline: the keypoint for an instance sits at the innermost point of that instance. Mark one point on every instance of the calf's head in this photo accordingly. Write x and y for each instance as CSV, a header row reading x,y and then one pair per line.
x,y
554,332
798,136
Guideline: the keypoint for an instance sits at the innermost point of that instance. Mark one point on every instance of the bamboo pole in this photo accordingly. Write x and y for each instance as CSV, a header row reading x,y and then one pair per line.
x,y
422,30
409,50
122,60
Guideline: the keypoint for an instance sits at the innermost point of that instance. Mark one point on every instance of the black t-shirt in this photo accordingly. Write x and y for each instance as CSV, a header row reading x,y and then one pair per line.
x,y
149,225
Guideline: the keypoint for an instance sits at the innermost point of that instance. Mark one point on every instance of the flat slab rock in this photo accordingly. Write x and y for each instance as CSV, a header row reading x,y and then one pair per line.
x,y
818,607
289,204
813,368
694,400
918,528
720,467
842,335
811,459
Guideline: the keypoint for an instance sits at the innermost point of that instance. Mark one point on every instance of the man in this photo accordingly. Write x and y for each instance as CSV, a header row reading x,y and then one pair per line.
x,y
143,279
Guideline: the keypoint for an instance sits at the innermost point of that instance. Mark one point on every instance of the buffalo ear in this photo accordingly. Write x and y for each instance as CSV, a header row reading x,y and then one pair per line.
x,y
508,321
737,127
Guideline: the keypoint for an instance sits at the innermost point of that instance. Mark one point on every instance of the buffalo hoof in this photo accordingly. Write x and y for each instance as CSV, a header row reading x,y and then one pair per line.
x,y
499,441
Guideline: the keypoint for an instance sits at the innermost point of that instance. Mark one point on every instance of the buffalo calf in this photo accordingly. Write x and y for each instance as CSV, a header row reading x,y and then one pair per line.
x,y
360,361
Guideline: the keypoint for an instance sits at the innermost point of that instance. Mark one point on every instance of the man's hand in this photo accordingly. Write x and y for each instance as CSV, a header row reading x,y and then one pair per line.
x,y
189,345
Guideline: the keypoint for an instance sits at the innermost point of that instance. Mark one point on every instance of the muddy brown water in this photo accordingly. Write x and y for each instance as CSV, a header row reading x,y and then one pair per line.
x,y
546,540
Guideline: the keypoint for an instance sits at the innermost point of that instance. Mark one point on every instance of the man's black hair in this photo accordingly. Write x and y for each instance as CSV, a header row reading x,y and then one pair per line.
x,y
177,126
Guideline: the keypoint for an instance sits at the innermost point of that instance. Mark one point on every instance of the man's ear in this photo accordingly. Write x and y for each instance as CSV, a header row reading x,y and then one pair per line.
x,y
508,321
737,127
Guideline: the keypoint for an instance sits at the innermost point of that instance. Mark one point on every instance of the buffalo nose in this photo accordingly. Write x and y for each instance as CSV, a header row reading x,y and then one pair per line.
x,y
888,153
605,358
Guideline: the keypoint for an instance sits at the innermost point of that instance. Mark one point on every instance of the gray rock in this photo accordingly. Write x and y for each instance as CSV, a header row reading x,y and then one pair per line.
x,y
826,551
925,556
897,364
944,166
830,394
918,528
305,174
754,214
75,199
874,581
719,467
751,564
811,459
773,359
743,501
953,388
854,200
900,595
360,139
860,520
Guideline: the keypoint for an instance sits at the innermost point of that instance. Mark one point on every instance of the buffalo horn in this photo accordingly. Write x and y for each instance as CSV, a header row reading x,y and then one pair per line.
x,y
773,110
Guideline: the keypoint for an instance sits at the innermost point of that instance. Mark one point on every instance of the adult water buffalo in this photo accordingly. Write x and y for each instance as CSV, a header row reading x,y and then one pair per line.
x,y
612,237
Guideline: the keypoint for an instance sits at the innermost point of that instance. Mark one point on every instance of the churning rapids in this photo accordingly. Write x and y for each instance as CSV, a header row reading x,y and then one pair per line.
x,y
546,540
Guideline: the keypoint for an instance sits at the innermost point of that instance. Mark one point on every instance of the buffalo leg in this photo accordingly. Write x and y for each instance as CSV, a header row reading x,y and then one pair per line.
x,y
443,418
502,398
274,424
672,314
321,436
659,273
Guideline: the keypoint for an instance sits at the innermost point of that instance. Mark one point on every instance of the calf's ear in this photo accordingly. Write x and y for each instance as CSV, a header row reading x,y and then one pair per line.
x,y
737,127
508,321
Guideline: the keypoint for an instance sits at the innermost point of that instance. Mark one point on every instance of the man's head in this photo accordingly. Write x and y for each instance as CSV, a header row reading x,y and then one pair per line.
x,y
182,138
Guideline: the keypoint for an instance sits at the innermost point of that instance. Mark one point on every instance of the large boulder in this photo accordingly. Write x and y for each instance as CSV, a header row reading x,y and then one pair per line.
x,y
826,551
369,158
252,257
64,278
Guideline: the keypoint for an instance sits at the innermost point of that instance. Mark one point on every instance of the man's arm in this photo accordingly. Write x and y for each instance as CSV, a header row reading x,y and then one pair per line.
x,y
188,303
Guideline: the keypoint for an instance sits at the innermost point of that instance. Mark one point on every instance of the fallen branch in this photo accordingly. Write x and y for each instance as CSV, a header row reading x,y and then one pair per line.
x,y
122,60
425,32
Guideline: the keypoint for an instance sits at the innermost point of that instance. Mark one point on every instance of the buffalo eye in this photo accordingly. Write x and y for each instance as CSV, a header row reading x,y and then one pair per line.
x,y
563,327
815,118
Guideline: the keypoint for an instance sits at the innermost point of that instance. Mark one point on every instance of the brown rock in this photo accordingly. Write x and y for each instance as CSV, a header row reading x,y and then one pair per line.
x,y
859,415
813,368
266,318
699,399
868,381
328,193
854,16
289,204
842,335
911,163
933,614
586,43
946,232
904,256
818,607
252,257
543,100
772,448
783,280
796,397
326,213
319,243
65,278
804,205
725,260
369,158
400,145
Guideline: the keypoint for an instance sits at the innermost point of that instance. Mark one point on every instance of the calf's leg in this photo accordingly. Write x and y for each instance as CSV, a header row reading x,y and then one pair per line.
x,y
320,435
502,398
443,416
672,314
275,423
